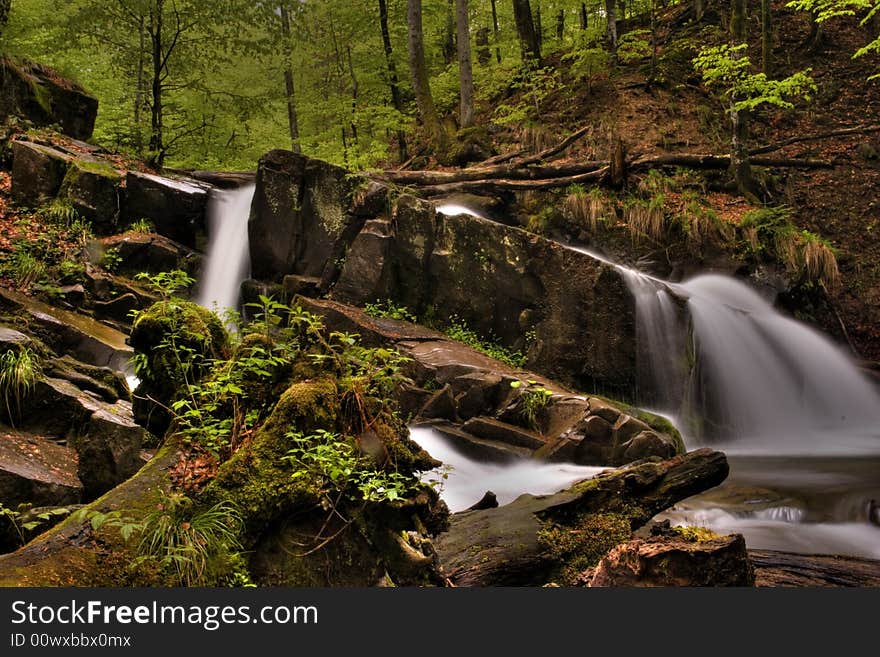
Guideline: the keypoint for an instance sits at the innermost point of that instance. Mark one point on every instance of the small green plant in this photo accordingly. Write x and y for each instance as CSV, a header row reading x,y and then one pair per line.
x,y
167,283
634,46
342,470
24,522
61,212
388,309
111,260
71,271
195,546
461,332
534,398
587,209
142,225
19,371
26,269
645,218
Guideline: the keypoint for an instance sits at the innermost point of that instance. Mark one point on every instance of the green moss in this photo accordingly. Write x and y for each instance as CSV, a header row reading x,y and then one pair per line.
x,y
696,534
656,422
573,550
97,167
257,479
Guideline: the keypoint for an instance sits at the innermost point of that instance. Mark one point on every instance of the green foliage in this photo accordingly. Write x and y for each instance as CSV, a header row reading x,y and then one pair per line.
x,y
533,398
823,10
111,259
142,226
167,283
535,87
728,68
24,522
343,471
390,310
25,268
634,46
460,331
20,370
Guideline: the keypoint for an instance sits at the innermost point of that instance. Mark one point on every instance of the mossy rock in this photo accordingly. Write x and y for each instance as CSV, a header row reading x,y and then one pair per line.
x,y
257,479
178,339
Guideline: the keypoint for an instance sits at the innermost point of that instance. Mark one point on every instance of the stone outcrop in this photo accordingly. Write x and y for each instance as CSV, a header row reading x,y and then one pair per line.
x,y
92,187
177,207
152,253
37,173
676,560
474,400
571,313
535,540
36,470
39,95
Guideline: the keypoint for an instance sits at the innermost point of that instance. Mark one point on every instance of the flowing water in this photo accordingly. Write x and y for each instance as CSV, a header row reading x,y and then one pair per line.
x,y
227,261
468,480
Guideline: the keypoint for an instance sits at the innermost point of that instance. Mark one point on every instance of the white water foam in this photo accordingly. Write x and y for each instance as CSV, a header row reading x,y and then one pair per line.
x,y
468,480
228,259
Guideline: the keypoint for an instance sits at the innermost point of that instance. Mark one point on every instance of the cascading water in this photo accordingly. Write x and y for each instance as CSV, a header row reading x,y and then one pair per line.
x,y
227,260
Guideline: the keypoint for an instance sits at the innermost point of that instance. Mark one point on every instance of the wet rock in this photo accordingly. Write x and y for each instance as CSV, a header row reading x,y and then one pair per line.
x,y
441,405
479,393
596,444
488,501
37,173
152,253
78,335
491,429
109,449
294,285
40,95
604,410
364,277
677,561
482,449
92,188
177,207
628,427
411,399
12,339
300,216
118,308
644,445
36,470
811,570
107,384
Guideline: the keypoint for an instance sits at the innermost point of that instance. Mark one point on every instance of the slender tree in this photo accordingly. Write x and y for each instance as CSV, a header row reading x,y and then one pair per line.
x,y
465,70
290,89
583,15
611,31
528,36
496,31
739,154
419,72
393,80
766,38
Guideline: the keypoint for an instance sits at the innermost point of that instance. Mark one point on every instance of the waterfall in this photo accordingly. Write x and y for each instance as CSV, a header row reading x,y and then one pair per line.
x,y
774,384
227,262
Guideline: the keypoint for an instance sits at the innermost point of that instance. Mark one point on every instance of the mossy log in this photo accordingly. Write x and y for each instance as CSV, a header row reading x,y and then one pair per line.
x,y
536,540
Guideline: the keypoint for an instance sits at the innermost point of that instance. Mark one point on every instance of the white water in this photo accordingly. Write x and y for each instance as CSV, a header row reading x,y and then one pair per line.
x,y
453,209
777,385
468,480
227,260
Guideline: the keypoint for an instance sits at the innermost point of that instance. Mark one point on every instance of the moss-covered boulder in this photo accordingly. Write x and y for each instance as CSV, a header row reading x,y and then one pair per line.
x,y
91,186
174,341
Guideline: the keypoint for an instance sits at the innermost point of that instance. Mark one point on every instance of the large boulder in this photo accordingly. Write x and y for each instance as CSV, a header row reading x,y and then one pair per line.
x,y
36,470
677,560
150,252
301,222
92,187
570,312
176,206
37,173
39,95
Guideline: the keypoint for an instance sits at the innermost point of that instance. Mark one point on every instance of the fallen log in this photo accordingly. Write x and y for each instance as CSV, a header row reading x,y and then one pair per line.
x,y
509,171
535,540
476,186
844,132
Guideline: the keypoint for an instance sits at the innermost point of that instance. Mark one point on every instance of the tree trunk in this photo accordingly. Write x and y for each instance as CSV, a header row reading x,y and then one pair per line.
x,y
465,71
5,6
290,90
611,32
355,89
393,80
419,72
583,15
508,546
560,24
525,28
653,41
449,34
157,145
766,38
739,153
140,89
539,26
484,55
699,9
497,32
